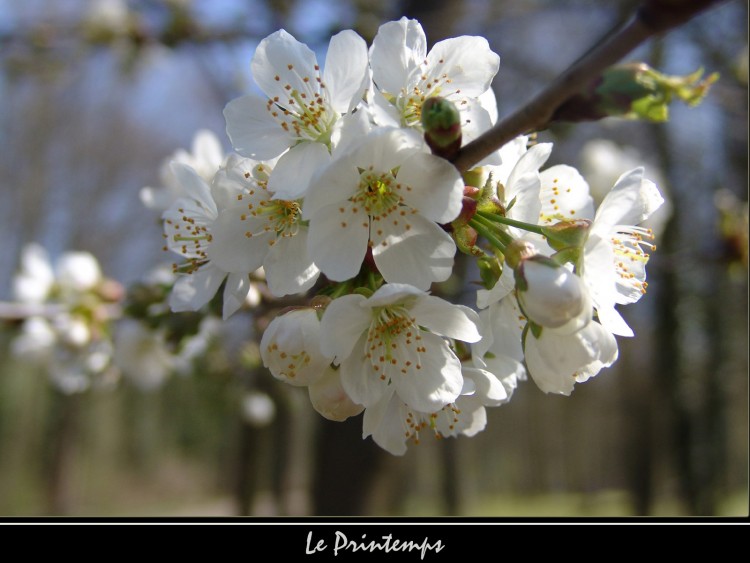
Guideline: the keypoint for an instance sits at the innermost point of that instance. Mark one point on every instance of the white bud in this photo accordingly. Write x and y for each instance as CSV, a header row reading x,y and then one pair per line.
x,y
552,296
328,397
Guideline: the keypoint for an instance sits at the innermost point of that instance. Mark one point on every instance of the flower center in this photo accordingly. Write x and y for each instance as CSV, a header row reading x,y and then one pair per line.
x,y
442,423
394,342
288,364
189,237
277,216
430,83
307,115
376,194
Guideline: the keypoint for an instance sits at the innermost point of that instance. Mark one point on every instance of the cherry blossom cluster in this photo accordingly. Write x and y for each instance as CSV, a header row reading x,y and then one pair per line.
x,y
67,313
336,190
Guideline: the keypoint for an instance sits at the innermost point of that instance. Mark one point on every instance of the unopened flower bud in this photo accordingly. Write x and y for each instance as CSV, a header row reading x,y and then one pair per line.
x,y
634,91
550,295
442,126
328,397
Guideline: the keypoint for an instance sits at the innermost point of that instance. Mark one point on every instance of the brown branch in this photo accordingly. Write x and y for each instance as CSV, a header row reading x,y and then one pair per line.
x,y
652,18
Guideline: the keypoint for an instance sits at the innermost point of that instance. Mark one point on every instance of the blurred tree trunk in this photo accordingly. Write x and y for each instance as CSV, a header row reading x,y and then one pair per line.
x,y
344,469
62,432
692,393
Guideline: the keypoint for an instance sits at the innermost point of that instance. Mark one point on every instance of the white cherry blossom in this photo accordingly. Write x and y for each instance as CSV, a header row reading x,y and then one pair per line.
x,y
290,347
300,114
558,361
393,340
231,229
459,69
389,195
393,424
206,156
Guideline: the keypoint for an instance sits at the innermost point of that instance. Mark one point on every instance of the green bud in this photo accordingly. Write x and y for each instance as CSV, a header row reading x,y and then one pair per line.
x,y
634,91
490,270
518,251
466,240
475,177
442,126
566,234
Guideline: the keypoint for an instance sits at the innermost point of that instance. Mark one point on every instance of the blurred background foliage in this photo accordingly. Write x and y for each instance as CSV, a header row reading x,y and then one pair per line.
x,y
95,94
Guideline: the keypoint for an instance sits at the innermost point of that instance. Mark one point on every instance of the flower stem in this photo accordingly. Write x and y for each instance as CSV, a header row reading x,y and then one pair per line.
x,y
511,222
493,237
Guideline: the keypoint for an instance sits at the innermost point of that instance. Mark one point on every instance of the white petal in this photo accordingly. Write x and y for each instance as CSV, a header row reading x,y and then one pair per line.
x,y
506,284
384,421
472,418
606,345
488,387
231,249
337,240
350,131
446,319
191,292
208,154
419,256
632,200
475,120
195,187
360,382
156,198
570,193
613,321
398,47
438,380
489,102
504,321
235,292
290,347
342,325
527,204
530,162
295,169
384,113
230,182
386,148
468,62
556,361
78,271
36,277
253,131
273,58
432,185
599,273
288,267
335,184
392,293
345,70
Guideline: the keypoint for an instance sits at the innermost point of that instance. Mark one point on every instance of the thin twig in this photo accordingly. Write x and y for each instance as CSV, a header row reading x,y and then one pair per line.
x,y
653,17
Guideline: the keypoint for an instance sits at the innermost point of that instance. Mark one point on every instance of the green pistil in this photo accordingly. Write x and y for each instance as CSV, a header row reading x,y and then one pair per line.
x,y
184,238
313,121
